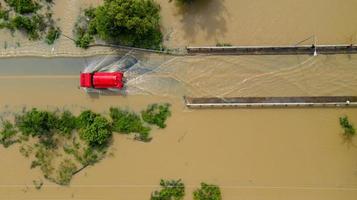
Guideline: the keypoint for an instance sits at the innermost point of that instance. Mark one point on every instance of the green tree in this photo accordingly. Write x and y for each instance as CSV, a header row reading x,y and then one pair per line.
x,y
129,22
36,123
66,123
171,190
96,133
207,192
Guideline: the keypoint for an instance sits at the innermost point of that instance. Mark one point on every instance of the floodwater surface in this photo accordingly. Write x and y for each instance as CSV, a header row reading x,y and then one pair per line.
x,y
259,22
249,153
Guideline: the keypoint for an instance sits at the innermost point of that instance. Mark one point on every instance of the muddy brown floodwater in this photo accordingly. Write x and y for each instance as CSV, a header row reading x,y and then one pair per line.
x,y
249,153
259,22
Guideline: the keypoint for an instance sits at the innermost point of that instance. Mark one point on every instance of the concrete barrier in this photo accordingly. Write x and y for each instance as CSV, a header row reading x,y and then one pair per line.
x,y
274,50
266,102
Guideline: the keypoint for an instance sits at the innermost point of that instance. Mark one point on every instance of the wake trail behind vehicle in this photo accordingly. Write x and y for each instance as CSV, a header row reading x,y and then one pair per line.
x,y
228,76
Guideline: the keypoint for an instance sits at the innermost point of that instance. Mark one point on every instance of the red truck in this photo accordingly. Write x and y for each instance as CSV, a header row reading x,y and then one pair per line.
x,y
102,80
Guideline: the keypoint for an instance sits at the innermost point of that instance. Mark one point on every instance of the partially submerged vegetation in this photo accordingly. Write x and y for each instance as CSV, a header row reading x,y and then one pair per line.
x,y
207,192
134,23
170,190
31,17
61,144
175,190
348,129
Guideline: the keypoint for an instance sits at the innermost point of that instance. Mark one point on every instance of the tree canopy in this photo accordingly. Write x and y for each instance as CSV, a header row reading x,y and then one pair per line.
x,y
124,22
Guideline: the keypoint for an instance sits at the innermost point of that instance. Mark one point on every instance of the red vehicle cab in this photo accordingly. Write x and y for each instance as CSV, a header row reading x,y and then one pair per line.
x,y
102,80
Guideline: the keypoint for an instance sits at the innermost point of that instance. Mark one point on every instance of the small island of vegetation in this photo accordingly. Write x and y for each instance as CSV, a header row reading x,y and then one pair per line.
x,y
61,144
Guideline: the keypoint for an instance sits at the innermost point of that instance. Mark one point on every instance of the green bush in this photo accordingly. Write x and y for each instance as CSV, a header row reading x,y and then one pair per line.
x,y
53,34
86,118
36,123
171,190
23,6
348,128
7,134
66,123
125,22
207,192
84,40
33,26
156,114
97,133
128,122
4,14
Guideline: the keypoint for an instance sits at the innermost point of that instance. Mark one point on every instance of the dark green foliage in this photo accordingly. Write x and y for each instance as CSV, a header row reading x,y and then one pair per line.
x,y
84,40
97,133
4,14
348,128
7,134
53,34
171,190
130,22
30,19
207,192
33,26
65,173
36,123
86,118
125,22
66,123
23,6
156,114
124,121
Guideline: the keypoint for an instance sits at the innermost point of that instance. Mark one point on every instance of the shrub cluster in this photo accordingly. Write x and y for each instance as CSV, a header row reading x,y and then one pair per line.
x,y
126,122
27,17
175,190
171,190
207,192
24,6
57,131
125,22
7,134
156,114
349,129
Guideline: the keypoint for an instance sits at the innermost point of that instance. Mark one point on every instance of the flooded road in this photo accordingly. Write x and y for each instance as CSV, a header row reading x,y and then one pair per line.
x,y
259,22
250,153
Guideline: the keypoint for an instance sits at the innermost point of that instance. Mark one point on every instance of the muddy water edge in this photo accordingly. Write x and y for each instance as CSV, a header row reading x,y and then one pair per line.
x,y
250,153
